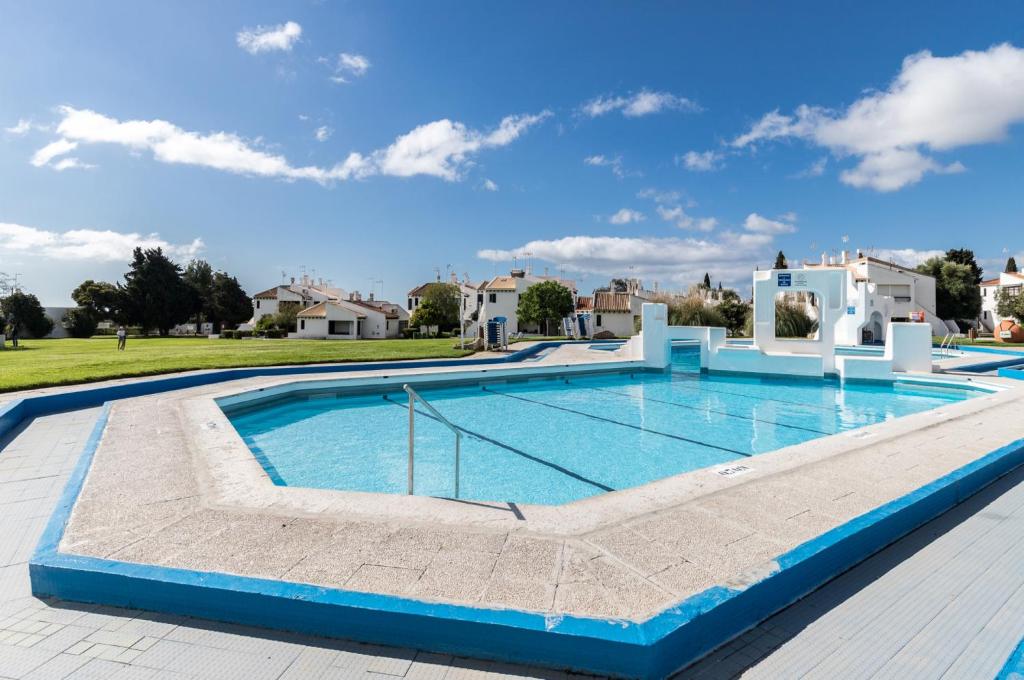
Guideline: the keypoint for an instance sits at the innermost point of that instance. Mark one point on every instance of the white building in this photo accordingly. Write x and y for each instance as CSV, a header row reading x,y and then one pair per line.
x,y
472,299
302,294
1011,283
878,292
349,320
615,312
499,297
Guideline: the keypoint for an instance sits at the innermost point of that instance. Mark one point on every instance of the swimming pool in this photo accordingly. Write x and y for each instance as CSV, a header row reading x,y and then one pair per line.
x,y
553,440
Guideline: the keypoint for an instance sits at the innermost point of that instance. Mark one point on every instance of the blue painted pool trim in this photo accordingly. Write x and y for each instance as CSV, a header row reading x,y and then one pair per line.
x,y
1013,373
1013,669
651,649
984,349
12,414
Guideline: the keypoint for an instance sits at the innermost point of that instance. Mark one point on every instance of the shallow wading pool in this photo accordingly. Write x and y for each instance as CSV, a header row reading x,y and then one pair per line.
x,y
554,440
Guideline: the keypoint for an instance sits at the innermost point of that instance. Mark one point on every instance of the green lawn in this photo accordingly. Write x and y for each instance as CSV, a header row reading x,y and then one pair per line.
x,y
40,363
983,342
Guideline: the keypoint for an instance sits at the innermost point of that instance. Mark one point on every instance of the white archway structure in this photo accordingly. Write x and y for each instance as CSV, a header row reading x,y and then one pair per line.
x,y
828,286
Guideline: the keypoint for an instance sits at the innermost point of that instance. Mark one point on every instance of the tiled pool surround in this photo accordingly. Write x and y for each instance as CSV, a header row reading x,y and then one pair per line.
x,y
171,485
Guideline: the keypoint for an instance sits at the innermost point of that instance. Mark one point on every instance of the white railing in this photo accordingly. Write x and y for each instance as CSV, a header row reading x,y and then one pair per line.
x,y
413,398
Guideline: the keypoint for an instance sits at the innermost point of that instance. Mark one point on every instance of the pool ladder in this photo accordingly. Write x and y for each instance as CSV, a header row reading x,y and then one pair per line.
x,y
413,398
948,345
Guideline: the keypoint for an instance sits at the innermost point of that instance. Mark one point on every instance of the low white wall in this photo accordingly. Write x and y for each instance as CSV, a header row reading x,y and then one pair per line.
x,y
909,347
864,368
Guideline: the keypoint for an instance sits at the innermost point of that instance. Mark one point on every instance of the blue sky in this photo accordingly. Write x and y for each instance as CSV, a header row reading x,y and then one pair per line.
x,y
602,139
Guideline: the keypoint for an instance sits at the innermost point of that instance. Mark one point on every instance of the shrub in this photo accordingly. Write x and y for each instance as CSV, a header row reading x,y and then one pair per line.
x,y
243,334
275,333
228,335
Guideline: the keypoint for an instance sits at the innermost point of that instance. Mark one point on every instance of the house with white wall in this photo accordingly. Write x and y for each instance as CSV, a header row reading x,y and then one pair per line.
x,y
500,298
1011,283
615,312
301,294
349,319
879,292
471,294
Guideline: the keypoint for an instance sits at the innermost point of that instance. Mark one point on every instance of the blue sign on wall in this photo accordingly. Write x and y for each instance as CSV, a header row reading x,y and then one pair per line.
x,y
785,280
851,310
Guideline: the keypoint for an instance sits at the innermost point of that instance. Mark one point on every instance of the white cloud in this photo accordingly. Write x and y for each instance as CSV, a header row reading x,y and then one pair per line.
x,y
70,164
680,218
702,161
682,260
52,150
441,148
815,169
762,225
614,164
642,103
490,185
934,104
322,133
350,66
626,216
269,38
87,244
20,128
908,257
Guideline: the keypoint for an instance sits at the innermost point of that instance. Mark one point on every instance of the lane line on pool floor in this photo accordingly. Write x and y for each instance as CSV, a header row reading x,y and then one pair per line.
x,y
619,422
512,449
700,408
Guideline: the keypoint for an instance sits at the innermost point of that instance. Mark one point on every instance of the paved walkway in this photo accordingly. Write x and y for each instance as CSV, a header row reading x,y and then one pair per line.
x,y
947,601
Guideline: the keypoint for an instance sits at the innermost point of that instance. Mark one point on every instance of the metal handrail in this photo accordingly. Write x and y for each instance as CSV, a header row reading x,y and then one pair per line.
x,y
413,397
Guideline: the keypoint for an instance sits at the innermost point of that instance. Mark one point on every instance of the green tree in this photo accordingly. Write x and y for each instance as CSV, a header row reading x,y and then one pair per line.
x,y
1011,266
1010,306
79,323
957,294
24,314
780,261
543,303
692,311
101,300
791,321
228,303
155,295
198,275
965,256
439,306
734,310
707,281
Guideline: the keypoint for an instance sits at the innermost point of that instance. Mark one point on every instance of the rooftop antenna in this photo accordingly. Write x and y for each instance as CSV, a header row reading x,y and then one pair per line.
x,y
437,273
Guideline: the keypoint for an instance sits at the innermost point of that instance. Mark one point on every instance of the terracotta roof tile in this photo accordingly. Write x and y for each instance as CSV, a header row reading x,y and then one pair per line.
x,y
611,302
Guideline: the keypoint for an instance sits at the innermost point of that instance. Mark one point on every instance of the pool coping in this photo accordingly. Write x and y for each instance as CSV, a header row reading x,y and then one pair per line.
x,y
652,648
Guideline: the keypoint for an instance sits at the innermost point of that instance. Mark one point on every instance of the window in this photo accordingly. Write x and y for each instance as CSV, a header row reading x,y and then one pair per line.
x,y
410,303
492,297
598,319
302,324
479,299
257,304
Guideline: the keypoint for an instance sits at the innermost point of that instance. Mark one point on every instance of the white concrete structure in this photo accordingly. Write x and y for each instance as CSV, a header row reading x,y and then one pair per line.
x,y
908,345
878,292
1010,282
500,297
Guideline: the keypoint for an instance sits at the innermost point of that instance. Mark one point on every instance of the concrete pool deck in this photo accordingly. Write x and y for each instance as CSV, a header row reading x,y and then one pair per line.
x,y
154,496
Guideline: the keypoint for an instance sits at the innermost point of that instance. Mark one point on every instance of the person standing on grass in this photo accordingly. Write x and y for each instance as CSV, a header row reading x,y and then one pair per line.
x,y
14,333
122,338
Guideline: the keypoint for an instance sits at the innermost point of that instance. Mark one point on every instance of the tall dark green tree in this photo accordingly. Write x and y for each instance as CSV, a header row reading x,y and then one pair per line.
x,y
957,294
544,303
24,314
1011,266
198,275
734,310
229,304
780,261
154,293
101,300
965,256
707,281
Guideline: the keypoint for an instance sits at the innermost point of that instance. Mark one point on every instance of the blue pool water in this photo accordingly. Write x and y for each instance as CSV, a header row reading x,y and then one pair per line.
x,y
549,441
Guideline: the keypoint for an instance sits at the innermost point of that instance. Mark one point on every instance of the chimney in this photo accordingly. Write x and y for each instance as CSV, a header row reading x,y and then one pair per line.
x,y
517,274
371,296
454,277
824,259
293,280
831,259
846,257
